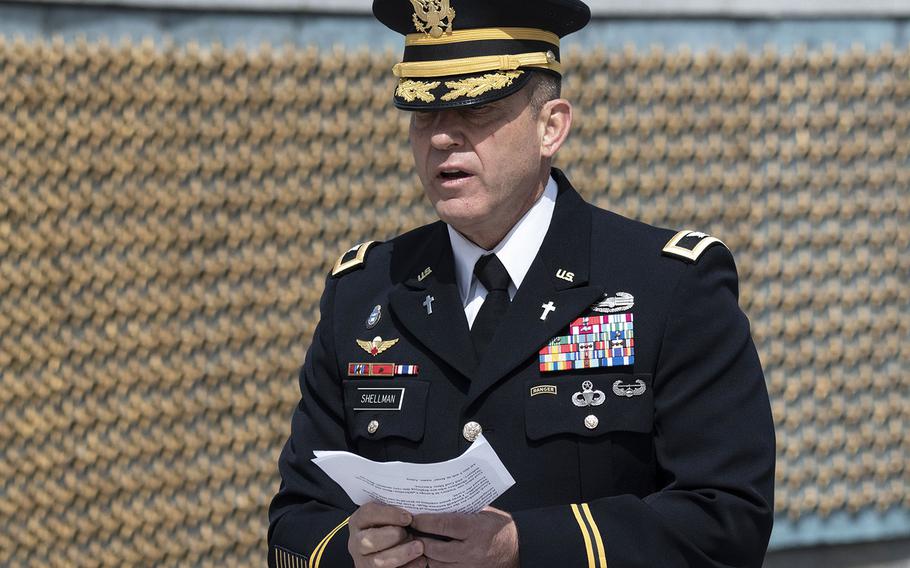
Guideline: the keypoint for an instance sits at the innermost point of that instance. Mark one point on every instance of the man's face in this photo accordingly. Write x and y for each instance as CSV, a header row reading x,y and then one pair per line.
x,y
480,166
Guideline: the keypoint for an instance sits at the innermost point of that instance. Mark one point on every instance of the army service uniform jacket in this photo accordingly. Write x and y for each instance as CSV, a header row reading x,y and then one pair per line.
x,y
663,456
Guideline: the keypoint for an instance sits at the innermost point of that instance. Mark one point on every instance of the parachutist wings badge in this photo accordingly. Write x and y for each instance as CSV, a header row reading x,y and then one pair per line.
x,y
376,346
430,16
621,302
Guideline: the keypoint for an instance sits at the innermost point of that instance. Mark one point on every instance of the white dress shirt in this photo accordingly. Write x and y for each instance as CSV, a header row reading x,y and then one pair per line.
x,y
516,252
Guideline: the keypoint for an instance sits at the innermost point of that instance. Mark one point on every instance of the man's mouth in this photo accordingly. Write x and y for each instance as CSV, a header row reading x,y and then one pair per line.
x,y
453,174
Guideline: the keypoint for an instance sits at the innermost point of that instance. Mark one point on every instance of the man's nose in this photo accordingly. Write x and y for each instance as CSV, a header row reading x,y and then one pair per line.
x,y
447,131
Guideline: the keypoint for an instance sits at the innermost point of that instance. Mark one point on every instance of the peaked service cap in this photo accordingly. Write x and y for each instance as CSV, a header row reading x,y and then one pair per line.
x,y
467,52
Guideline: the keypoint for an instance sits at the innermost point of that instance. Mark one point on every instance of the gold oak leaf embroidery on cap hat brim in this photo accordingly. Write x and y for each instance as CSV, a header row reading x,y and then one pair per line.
x,y
411,90
476,86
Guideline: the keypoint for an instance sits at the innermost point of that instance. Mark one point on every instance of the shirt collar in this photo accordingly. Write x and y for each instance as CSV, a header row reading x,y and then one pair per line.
x,y
517,249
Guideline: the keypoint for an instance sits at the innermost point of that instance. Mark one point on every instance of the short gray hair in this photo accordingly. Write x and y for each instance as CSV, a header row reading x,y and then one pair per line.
x,y
543,88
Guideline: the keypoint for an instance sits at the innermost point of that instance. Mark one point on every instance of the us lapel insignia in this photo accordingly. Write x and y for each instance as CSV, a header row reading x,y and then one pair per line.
x,y
377,345
628,390
426,272
621,302
564,274
374,317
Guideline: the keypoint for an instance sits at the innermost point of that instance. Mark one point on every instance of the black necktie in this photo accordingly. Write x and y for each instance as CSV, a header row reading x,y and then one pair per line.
x,y
494,277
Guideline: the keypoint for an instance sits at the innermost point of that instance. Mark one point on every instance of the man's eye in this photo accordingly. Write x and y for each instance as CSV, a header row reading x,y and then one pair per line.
x,y
422,117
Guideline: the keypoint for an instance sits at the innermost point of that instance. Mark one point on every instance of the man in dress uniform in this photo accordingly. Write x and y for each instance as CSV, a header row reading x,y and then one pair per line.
x,y
606,361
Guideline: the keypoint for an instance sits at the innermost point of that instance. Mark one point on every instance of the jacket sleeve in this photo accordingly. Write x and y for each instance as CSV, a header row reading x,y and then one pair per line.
x,y
714,444
308,517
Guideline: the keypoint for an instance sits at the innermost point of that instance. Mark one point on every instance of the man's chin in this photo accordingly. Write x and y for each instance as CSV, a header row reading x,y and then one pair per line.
x,y
461,216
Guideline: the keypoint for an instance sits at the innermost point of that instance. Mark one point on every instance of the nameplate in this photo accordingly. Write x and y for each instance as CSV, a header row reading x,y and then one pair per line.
x,y
379,398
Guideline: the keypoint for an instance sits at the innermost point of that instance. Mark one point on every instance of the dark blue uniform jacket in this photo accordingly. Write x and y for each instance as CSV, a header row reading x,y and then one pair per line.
x,y
679,473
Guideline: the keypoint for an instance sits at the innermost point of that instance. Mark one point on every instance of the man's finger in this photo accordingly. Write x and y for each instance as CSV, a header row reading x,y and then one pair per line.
x,y
443,551
419,562
445,524
376,539
397,556
379,515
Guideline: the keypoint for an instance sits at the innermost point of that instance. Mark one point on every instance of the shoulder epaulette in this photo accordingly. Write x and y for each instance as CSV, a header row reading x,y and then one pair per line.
x,y
352,259
689,245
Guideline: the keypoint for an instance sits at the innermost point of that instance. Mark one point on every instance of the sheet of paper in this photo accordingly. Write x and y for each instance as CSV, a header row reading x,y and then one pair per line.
x,y
465,484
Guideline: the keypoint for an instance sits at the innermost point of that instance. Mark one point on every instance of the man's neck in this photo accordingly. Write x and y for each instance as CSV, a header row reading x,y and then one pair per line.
x,y
488,238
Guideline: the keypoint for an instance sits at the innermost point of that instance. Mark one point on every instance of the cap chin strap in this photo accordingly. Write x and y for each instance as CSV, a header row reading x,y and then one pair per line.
x,y
480,64
481,34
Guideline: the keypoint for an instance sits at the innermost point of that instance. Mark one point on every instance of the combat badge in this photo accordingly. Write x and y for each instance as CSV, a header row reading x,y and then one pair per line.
x,y
621,302
377,345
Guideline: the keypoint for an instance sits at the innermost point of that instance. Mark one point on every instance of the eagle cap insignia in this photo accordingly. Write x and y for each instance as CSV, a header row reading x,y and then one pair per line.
x,y
433,17
376,346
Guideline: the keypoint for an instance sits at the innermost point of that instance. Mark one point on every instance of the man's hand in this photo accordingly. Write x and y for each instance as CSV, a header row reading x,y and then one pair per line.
x,y
378,538
488,539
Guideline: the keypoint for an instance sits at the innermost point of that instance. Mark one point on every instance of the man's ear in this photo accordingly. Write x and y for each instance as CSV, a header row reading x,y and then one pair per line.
x,y
554,122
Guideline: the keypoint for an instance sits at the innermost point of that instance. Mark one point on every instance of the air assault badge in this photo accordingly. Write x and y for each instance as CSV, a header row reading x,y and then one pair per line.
x,y
433,17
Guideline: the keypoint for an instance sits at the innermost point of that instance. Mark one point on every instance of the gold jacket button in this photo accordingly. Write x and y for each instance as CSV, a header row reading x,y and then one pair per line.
x,y
591,422
471,431
373,426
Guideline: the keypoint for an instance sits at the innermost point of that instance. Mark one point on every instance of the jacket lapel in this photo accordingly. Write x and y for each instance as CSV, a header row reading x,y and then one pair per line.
x,y
558,279
445,330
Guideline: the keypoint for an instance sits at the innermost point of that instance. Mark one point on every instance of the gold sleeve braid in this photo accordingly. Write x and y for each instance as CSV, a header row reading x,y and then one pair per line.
x,y
594,546
285,559
316,556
